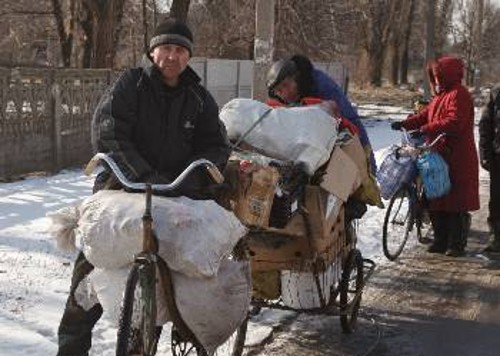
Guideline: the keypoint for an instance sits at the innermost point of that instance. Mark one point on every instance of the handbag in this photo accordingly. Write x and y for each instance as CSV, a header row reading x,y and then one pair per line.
x,y
395,171
434,172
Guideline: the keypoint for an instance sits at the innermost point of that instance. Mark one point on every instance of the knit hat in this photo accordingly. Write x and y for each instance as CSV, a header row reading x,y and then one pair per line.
x,y
172,31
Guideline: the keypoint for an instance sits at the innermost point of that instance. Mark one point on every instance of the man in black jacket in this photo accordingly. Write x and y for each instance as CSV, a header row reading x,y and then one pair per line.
x,y
154,121
489,152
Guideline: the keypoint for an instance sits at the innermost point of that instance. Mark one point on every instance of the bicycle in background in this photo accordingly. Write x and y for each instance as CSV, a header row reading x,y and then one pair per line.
x,y
407,207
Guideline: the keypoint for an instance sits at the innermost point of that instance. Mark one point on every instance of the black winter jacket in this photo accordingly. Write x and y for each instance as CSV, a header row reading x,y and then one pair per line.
x,y
153,130
489,129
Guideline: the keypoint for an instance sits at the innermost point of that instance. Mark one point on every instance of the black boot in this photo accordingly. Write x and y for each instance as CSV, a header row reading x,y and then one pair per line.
x,y
494,245
75,329
458,227
439,225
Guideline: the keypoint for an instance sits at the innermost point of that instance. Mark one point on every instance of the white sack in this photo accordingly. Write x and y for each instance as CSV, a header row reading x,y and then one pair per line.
x,y
194,235
304,134
212,307
63,224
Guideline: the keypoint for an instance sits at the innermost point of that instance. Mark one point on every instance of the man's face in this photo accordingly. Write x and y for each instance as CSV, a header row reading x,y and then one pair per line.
x,y
287,90
172,60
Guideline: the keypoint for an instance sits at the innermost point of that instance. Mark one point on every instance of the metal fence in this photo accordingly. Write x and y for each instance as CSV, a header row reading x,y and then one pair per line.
x,y
45,114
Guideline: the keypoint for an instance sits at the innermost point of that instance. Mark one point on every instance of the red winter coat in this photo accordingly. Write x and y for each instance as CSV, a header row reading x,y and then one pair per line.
x,y
451,111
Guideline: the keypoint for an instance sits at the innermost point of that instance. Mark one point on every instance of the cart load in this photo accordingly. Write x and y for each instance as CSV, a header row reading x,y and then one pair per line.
x,y
291,174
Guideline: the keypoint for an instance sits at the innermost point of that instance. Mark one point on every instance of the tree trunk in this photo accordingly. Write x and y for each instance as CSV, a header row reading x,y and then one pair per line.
x,y
180,9
375,65
406,43
102,29
65,35
395,61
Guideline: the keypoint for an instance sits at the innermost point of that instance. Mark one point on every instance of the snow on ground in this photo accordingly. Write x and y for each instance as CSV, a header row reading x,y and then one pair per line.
x,y
35,276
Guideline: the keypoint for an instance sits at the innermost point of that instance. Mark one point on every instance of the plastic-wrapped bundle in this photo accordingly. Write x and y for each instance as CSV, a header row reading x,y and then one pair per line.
x,y
301,134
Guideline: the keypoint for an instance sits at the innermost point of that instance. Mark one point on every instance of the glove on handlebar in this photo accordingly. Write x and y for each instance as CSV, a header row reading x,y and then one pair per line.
x,y
416,134
397,125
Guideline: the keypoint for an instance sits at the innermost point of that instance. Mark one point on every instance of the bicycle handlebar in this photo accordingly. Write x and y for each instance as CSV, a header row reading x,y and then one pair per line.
x,y
425,146
212,169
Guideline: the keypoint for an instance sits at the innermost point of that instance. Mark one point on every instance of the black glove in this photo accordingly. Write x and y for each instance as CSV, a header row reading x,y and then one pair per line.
x,y
416,134
397,125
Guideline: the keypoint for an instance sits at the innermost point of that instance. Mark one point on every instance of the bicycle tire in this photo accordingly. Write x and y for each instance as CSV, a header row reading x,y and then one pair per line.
x,y
182,347
139,337
401,205
348,310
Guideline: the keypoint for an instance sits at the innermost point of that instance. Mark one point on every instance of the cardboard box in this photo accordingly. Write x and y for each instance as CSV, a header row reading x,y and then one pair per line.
x,y
252,193
342,176
323,209
355,151
291,248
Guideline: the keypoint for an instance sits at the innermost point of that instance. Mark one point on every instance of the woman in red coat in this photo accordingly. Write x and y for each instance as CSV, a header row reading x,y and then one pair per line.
x,y
451,111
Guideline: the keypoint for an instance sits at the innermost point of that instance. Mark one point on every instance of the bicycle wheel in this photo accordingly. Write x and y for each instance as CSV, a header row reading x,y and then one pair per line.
x,y
350,288
397,223
232,347
137,326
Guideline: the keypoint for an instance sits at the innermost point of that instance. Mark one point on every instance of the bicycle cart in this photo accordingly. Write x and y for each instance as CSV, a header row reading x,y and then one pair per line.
x,y
309,263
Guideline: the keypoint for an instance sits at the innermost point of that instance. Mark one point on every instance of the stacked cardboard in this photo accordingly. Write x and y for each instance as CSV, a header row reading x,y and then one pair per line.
x,y
314,235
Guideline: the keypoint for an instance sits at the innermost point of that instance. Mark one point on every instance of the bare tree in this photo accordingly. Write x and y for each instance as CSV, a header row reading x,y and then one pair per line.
x,y
399,35
407,30
466,32
376,25
180,9
443,25
65,28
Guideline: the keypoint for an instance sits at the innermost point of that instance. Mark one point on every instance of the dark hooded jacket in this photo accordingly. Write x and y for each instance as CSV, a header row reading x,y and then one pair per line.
x,y
489,129
155,131
451,111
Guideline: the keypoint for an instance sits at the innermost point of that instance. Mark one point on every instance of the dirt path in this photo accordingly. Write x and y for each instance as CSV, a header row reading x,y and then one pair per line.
x,y
423,304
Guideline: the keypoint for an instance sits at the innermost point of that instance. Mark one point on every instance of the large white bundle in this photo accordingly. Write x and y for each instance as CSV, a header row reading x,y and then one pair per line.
x,y
212,307
304,134
194,235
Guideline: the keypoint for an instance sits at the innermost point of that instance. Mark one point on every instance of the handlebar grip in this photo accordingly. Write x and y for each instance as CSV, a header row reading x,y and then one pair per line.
x,y
215,174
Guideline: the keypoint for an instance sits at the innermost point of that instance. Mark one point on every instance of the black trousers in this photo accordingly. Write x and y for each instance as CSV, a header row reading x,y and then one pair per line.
x,y
494,203
75,329
450,229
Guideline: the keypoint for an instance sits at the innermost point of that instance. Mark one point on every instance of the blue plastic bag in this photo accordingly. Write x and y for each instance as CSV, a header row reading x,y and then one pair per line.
x,y
435,175
395,171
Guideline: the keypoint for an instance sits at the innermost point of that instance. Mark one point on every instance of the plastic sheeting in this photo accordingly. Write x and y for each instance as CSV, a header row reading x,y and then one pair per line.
x,y
304,134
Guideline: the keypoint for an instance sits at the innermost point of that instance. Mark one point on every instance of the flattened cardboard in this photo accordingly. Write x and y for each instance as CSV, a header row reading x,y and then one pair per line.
x,y
342,176
355,151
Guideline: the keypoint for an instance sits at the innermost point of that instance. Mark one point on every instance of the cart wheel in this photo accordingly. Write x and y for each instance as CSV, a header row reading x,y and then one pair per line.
x,y
351,284
136,330
232,347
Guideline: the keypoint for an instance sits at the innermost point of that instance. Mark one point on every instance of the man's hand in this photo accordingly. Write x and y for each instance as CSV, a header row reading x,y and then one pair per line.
x,y
397,125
